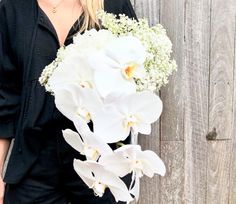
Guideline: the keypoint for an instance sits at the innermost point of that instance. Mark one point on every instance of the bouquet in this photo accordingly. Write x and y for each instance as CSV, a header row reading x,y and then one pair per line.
x,y
109,77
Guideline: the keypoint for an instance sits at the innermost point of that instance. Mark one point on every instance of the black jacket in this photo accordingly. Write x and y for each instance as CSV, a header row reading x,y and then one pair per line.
x,y
28,42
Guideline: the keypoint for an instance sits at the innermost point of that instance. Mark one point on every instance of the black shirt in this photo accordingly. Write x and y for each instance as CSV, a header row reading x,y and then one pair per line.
x,y
28,42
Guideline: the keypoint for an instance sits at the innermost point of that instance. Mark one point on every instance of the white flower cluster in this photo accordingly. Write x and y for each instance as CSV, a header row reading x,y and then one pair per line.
x,y
107,77
158,64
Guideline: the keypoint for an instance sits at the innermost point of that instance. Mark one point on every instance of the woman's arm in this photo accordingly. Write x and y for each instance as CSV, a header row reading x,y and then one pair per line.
x,y
4,147
10,89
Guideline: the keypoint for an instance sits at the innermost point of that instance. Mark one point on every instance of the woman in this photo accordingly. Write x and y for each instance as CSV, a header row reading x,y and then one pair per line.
x,y
40,167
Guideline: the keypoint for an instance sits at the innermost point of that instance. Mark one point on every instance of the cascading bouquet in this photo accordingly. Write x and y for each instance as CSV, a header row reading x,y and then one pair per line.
x,y
108,77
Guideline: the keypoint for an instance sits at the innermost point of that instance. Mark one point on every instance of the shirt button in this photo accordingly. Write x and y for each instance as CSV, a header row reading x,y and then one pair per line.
x,y
20,150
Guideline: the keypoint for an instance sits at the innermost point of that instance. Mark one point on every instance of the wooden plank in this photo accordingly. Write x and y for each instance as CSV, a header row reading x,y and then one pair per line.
x,y
221,103
172,185
172,94
172,147
221,68
218,171
196,72
232,193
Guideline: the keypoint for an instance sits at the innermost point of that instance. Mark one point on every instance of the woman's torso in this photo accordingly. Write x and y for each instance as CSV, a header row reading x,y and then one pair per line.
x,y
34,43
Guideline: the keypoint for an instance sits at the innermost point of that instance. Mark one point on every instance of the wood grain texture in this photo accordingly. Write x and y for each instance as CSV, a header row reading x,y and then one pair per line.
x,y
172,146
172,184
232,179
149,9
221,68
196,73
221,96
218,172
172,94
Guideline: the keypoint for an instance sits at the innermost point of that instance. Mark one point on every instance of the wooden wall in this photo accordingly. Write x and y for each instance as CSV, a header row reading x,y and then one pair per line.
x,y
196,135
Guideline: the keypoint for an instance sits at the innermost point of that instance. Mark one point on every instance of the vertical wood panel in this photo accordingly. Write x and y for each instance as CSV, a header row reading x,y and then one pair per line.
x,y
221,68
172,94
232,193
221,84
197,35
172,145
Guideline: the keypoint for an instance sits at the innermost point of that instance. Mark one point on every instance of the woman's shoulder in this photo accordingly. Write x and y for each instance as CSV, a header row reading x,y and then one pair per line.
x,y
16,10
16,5
9,4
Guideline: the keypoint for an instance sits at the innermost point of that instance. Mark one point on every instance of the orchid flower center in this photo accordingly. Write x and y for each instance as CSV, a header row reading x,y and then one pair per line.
x,y
86,84
129,71
83,113
99,188
131,121
91,153
138,167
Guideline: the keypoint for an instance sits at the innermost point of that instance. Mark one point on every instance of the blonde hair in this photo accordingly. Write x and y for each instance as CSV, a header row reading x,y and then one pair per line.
x,y
90,8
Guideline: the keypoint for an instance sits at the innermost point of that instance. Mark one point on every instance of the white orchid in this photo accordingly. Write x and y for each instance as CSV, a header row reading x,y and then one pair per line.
x,y
134,160
98,178
87,144
118,64
74,101
74,69
133,112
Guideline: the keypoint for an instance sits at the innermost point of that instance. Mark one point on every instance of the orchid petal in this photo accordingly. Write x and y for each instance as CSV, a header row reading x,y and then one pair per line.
x,y
73,139
135,191
91,140
73,70
108,124
71,99
149,110
83,170
65,102
115,184
126,49
111,80
101,62
116,163
97,173
151,159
